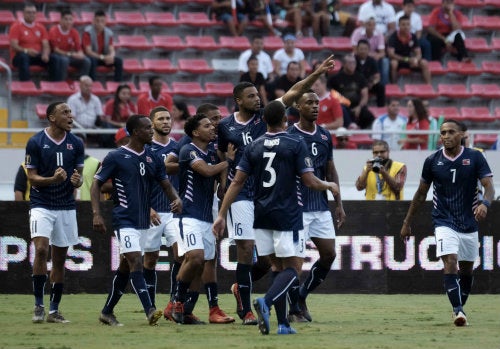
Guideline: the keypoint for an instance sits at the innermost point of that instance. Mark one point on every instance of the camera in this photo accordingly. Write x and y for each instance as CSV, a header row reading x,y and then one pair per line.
x,y
377,163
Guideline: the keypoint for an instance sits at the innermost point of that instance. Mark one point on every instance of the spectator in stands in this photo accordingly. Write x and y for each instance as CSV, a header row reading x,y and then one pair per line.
x,y
261,11
330,115
369,32
90,167
285,82
121,137
435,122
256,78
223,12
289,53
416,27
384,14
343,18
404,52
154,98
445,32
341,139
418,119
22,184
29,45
368,67
382,178
299,13
97,44
66,44
86,107
353,86
117,110
392,121
265,62
180,113
321,17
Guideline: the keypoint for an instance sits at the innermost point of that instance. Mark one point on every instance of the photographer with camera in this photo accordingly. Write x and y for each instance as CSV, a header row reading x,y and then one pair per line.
x,y
382,178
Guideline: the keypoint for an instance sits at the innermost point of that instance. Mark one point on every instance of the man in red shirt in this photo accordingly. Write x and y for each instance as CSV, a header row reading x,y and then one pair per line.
x,y
29,45
330,114
66,44
154,98
97,42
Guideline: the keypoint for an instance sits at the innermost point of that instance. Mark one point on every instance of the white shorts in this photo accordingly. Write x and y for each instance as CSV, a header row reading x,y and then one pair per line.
x,y
215,207
281,243
168,228
318,224
131,240
197,235
464,245
240,220
59,227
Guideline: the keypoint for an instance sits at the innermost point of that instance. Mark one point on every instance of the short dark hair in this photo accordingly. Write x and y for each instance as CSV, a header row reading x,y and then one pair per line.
x,y
380,142
238,89
252,58
406,2
206,107
363,41
192,123
403,18
52,107
133,122
155,110
66,11
99,13
274,112
456,122
153,78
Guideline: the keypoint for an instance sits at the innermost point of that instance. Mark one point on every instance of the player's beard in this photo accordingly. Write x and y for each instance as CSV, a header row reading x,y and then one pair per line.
x,y
161,132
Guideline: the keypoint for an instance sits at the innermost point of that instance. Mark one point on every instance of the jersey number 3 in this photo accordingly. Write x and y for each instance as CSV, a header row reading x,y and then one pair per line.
x,y
269,168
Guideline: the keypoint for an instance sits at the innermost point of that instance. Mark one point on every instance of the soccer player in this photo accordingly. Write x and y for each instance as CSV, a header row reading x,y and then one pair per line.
x,y
275,160
198,167
54,163
454,171
318,223
162,220
133,169
240,129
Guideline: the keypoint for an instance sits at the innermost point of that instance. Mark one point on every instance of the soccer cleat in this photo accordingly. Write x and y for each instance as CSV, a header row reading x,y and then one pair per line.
x,y
56,317
303,309
218,316
191,319
167,313
262,311
250,319
110,320
38,314
239,305
296,317
286,329
153,316
459,319
178,312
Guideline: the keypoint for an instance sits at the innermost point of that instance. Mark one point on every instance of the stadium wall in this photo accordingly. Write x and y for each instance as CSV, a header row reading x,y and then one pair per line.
x,y
370,256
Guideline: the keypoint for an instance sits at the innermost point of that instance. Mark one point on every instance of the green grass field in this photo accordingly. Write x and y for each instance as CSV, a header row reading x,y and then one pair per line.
x,y
339,321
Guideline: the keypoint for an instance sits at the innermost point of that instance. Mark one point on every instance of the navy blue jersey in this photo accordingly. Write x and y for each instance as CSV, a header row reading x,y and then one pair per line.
x,y
160,201
455,184
241,135
320,147
133,176
186,140
46,155
275,161
196,191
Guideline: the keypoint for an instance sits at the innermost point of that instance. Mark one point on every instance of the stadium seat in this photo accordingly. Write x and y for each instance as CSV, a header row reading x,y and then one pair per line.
x,y
162,19
490,91
78,1
219,89
476,114
188,89
495,43
133,66
446,112
24,88
477,45
6,17
307,44
337,43
273,43
485,139
202,43
393,90
195,66
97,89
377,111
111,87
4,41
159,66
133,42
195,19
55,17
453,91
141,1
463,68
363,141
491,67
436,68
492,3
431,3
420,91
130,18
144,87
41,110
224,111
57,88
486,22
239,43
470,3
168,42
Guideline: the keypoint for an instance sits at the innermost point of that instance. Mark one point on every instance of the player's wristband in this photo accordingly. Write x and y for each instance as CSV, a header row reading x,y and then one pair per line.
x,y
486,203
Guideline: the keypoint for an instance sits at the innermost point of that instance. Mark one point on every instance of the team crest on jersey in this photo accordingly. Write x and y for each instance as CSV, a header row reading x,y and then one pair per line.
x,y
148,159
324,108
466,162
69,146
193,155
256,121
323,137
27,159
308,162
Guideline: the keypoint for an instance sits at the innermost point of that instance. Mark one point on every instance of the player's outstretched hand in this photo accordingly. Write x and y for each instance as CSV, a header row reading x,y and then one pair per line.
x,y
219,227
327,65
405,232
176,206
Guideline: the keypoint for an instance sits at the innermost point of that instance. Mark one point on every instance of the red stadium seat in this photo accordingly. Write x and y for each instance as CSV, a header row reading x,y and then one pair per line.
x,y
202,43
57,88
393,90
168,42
188,89
477,45
196,19
495,43
308,44
133,42
162,19
128,18
446,112
337,43
25,88
431,3
195,66
6,17
239,43
4,41
224,111
463,68
133,66
492,3
470,3
453,91
97,89
491,67
159,66
144,87
490,91
363,141
41,110
436,68
479,114
420,91
486,22
377,111
485,139
273,43
219,89
78,1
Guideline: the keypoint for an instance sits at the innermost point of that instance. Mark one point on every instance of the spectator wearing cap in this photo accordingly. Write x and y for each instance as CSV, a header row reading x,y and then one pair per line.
x,y
121,137
289,53
416,27
341,139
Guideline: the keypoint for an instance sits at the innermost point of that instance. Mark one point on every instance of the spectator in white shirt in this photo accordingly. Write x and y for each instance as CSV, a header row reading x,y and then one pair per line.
x,y
383,12
256,49
289,53
391,121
